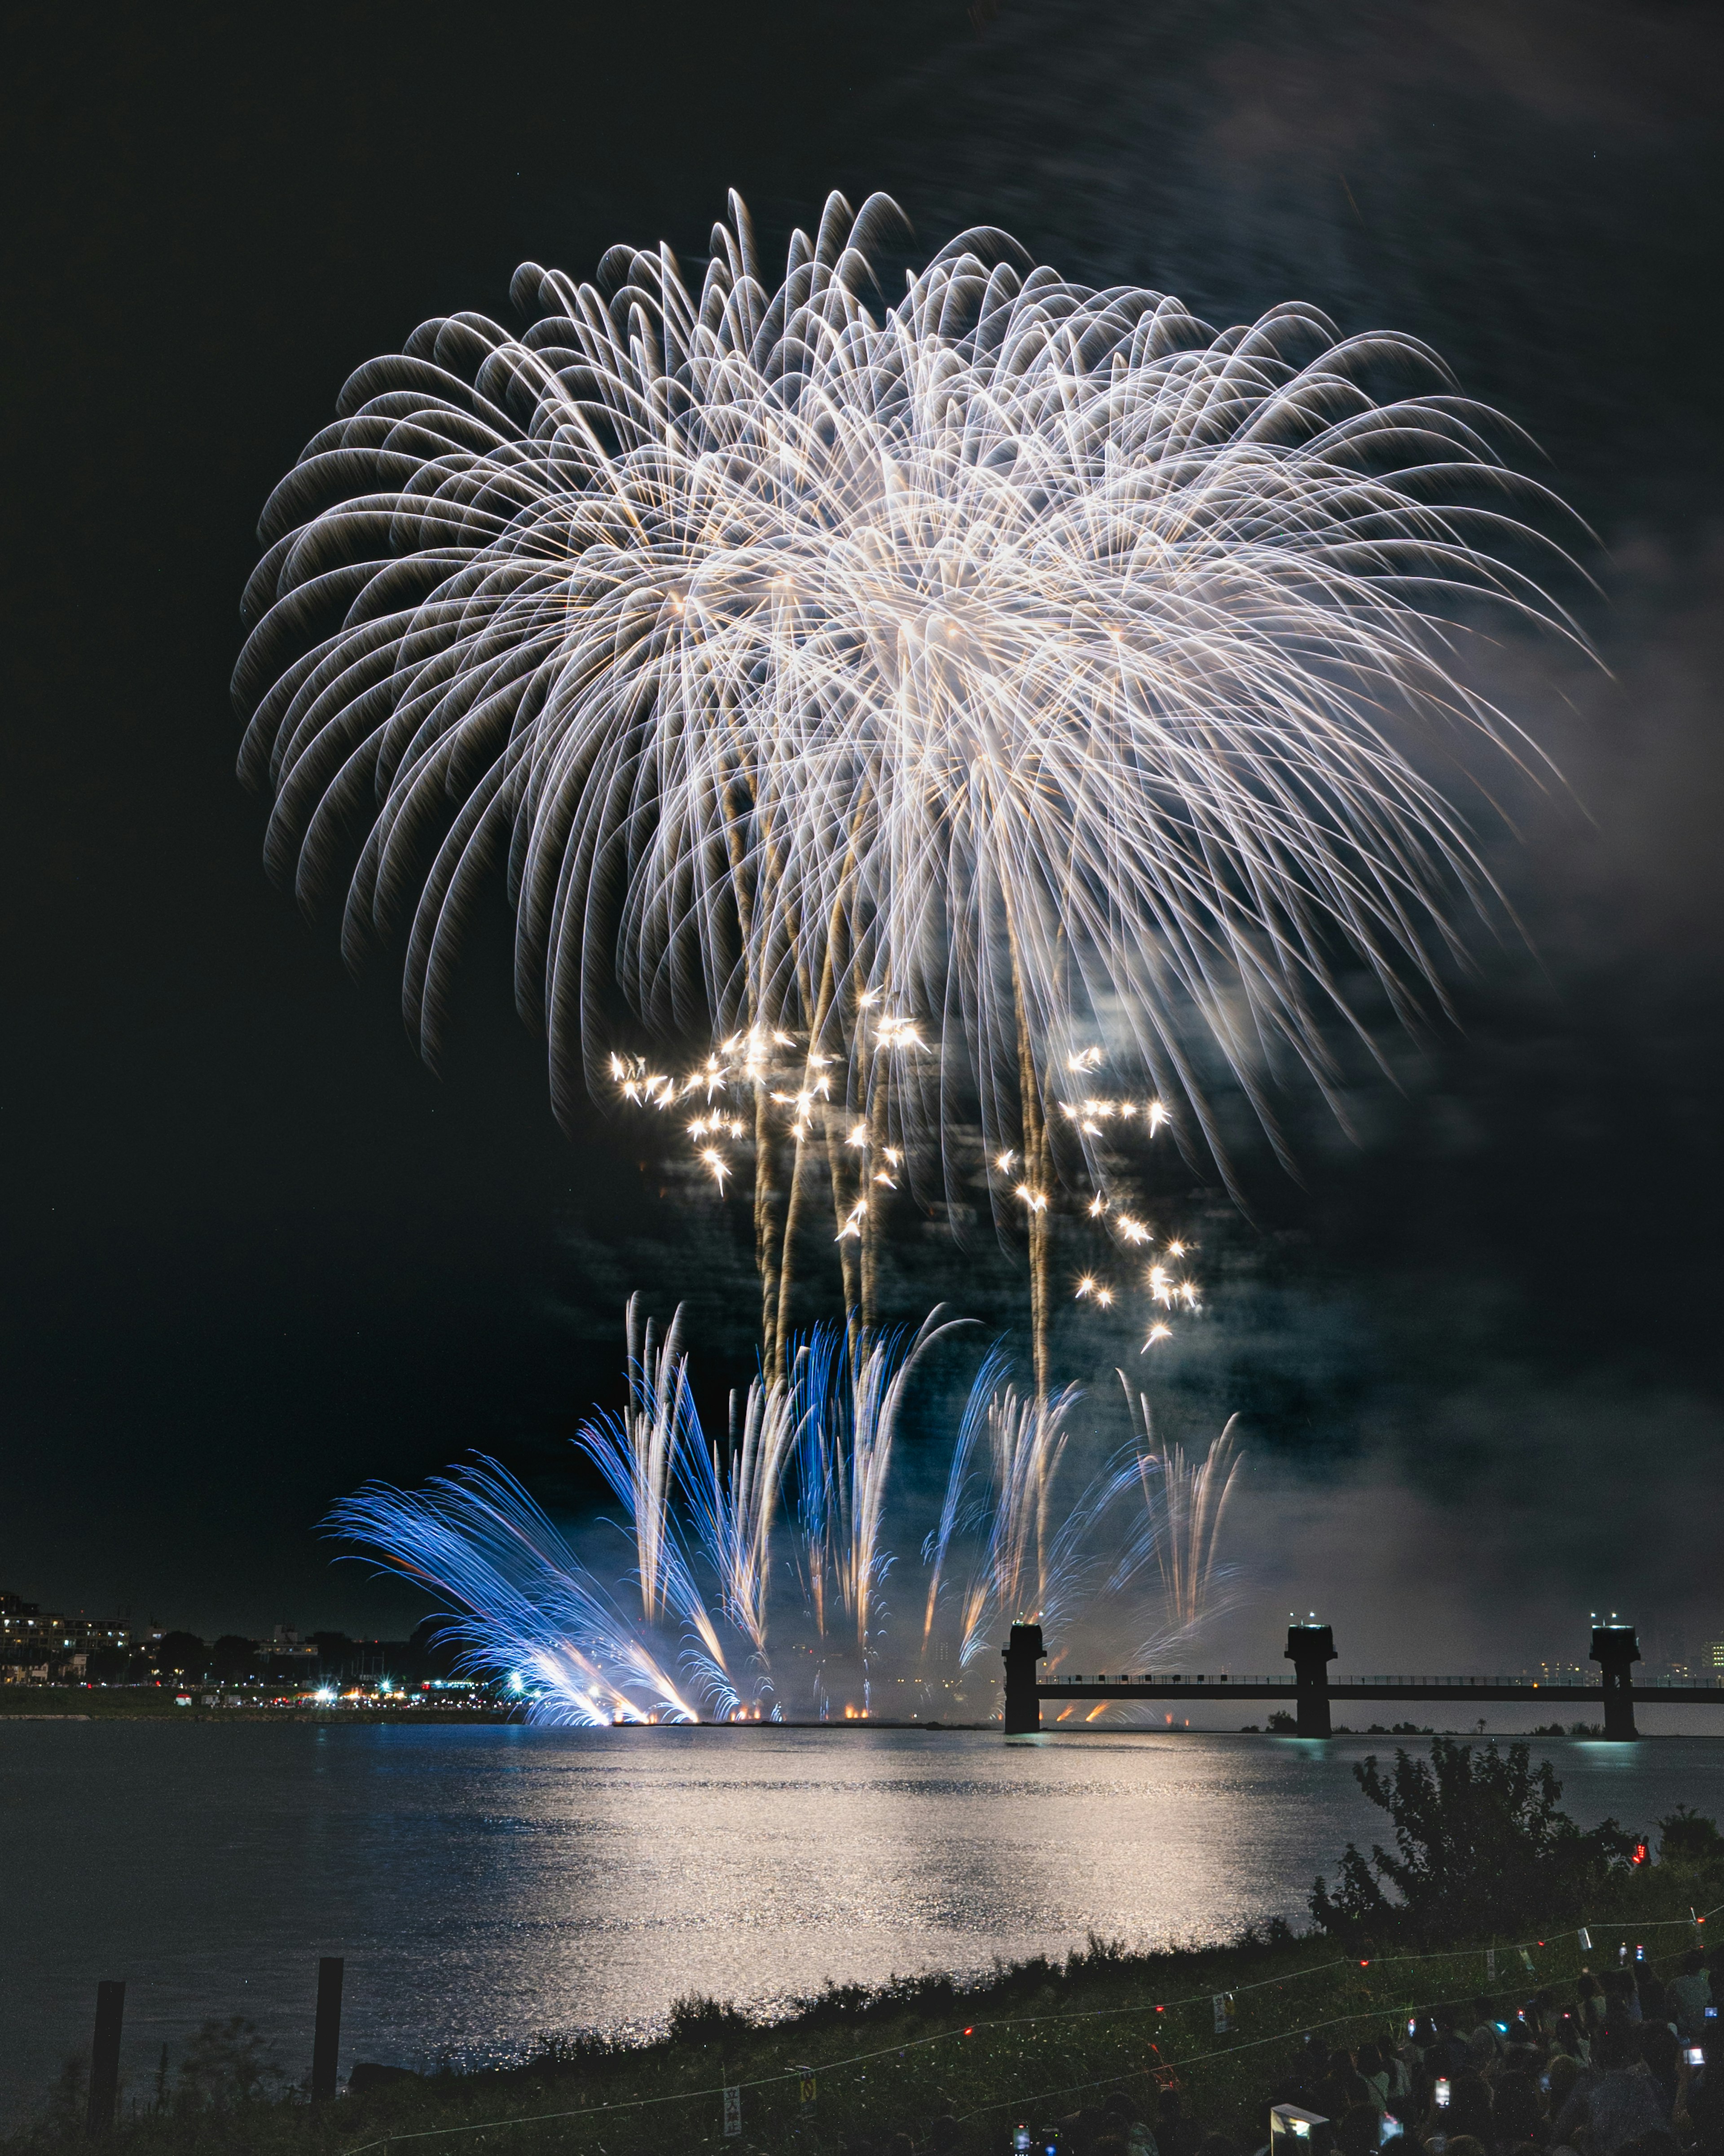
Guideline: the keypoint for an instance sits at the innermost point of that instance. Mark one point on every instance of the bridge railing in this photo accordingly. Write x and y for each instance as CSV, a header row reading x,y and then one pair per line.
x,y
1579,1680
1583,1680
1168,1676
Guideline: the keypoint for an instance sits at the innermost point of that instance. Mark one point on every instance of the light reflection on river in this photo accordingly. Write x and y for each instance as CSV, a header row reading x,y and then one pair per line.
x,y
489,1884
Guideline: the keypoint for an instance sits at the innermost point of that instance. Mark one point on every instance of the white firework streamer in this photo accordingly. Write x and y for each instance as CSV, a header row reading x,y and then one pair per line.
x,y
1189,1495
1032,657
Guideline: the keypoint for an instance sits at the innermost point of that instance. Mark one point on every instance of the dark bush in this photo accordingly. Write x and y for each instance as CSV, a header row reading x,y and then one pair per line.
x,y
181,1654
232,1660
698,2020
1686,1836
1481,1842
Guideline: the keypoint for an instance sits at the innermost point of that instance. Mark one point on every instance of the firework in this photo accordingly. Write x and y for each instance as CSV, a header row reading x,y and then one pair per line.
x,y
761,1565
755,1100
760,1107
1026,659
1191,1501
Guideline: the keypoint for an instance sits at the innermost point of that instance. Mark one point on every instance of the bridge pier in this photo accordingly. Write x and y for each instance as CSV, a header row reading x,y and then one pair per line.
x,y
1310,1649
1023,1650
1616,1650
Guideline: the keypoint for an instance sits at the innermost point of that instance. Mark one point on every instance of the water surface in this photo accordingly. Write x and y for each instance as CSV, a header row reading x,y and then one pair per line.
x,y
490,1884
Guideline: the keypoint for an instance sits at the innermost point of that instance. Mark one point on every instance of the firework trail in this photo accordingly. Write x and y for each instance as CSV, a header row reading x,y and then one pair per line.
x,y
1023,659
634,1452
532,1610
1192,1503
760,1565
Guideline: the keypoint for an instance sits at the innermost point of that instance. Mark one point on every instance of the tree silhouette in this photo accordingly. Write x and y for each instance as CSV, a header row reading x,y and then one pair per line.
x,y
181,1654
1482,1845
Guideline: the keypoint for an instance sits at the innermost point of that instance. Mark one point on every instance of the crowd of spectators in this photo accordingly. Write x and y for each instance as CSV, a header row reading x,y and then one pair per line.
x,y
1619,2071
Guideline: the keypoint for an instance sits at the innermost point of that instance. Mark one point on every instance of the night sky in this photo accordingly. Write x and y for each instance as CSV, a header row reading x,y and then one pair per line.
x,y
255,1253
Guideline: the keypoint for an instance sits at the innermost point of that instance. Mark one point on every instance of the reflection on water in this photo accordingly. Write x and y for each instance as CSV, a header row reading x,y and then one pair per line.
x,y
490,1884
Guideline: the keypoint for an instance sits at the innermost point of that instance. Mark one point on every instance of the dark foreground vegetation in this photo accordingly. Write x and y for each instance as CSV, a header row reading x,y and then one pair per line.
x,y
1482,1899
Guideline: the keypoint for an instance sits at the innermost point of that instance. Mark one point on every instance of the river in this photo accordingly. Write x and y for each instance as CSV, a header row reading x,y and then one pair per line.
x,y
490,1884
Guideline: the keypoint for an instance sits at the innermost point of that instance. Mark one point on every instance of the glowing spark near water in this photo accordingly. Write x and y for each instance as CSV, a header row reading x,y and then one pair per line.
x,y
760,1565
1024,653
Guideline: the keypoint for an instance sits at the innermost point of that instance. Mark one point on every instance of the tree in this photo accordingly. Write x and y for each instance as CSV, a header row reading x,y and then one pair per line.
x,y
1686,1836
231,1659
181,1654
1482,1847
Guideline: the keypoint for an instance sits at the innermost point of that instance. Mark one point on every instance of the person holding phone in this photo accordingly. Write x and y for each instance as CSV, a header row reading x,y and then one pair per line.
x,y
1409,2055
1698,2115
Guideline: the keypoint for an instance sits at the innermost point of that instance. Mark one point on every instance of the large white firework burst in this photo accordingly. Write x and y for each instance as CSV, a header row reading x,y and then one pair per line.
x,y
1023,659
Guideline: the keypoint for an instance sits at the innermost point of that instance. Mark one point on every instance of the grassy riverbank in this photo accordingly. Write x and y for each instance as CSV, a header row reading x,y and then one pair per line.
x,y
1032,2042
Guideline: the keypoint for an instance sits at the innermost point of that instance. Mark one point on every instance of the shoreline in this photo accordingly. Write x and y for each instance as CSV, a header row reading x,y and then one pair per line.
x,y
1033,2041
249,1714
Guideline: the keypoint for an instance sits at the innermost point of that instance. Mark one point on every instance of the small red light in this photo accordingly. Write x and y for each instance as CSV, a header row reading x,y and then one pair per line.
x,y
969,2032
1364,1965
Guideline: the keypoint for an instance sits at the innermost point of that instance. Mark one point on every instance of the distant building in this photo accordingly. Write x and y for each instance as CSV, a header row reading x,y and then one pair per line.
x,y
41,1646
286,1661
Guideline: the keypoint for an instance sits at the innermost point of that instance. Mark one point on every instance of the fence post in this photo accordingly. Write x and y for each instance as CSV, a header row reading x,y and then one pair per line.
x,y
1024,1708
326,2040
1310,1649
104,2057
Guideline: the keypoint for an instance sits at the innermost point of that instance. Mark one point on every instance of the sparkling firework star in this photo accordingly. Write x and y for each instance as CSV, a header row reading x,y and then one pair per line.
x,y
1028,656
753,1100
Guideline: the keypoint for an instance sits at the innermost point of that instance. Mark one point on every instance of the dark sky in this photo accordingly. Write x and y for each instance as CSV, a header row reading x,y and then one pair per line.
x,y
255,1253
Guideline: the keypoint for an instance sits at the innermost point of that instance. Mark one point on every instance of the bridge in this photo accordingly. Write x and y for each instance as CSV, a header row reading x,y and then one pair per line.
x,y
1310,1649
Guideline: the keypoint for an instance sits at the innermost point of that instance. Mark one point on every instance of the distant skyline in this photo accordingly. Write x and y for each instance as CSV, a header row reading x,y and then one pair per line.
x,y
256,1253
